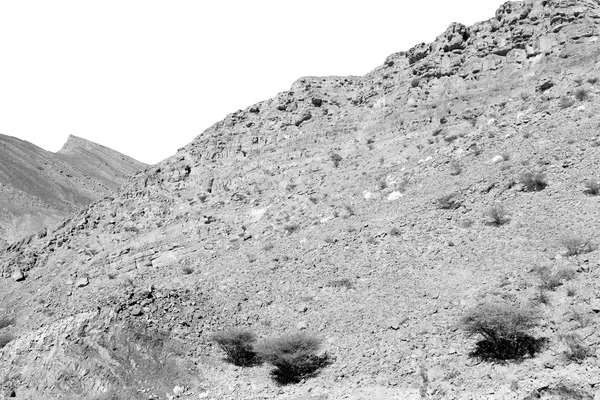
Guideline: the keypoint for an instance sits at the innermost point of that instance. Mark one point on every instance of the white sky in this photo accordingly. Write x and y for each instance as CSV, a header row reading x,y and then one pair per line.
x,y
145,77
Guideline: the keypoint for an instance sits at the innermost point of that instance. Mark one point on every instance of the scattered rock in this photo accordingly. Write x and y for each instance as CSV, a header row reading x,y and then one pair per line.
x,y
81,282
18,275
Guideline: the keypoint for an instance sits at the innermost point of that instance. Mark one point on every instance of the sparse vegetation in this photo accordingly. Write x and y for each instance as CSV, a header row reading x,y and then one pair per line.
x,y
592,187
291,228
551,280
542,297
497,215
336,159
238,345
395,232
577,350
448,202
341,283
505,330
533,182
581,94
576,246
294,356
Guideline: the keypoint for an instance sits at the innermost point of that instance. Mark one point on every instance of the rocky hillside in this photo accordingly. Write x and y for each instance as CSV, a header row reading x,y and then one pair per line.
x,y
39,188
373,212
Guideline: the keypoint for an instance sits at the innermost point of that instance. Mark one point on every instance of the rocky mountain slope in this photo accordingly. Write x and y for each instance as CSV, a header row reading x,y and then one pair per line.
x,y
353,208
39,188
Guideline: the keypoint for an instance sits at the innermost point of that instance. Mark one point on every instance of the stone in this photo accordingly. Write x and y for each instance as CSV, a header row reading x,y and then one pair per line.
x,y
136,311
394,324
302,325
178,390
18,275
81,282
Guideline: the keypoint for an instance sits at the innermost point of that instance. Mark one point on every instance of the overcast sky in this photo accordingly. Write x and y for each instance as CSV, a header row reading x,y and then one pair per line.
x,y
145,77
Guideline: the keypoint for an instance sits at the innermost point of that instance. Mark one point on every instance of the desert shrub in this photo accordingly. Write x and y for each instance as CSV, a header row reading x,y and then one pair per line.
x,y
577,350
497,215
448,202
571,291
581,94
592,80
542,297
341,283
395,232
450,138
294,356
336,158
5,338
6,322
592,187
238,345
505,330
291,228
576,246
533,182
552,280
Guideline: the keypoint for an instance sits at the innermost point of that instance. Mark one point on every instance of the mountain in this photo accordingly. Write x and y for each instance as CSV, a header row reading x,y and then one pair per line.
x,y
374,212
39,188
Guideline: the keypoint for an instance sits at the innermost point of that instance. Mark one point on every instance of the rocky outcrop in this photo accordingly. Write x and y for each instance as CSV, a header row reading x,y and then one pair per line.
x,y
331,224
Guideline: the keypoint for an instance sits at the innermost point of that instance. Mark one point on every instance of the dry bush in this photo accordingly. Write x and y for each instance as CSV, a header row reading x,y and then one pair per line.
x,y
5,338
238,345
497,215
291,228
294,356
505,330
533,182
577,350
336,158
448,202
550,280
576,246
581,94
592,187
341,283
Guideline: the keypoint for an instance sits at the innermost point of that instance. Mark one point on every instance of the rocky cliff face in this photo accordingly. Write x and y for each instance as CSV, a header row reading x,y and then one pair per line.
x,y
39,188
259,220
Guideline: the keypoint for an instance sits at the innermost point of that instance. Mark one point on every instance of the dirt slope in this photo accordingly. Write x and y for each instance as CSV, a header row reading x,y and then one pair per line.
x,y
319,210
39,188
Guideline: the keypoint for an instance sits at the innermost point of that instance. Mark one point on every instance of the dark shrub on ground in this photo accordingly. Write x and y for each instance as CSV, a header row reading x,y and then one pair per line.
x,y
576,246
505,330
238,345
294,356
533,182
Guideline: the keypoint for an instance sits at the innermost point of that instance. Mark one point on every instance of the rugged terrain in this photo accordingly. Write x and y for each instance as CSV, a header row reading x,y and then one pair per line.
x,y
39,188
319,211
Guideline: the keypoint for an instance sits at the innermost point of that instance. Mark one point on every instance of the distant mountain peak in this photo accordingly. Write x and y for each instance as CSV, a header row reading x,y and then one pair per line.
x,y
74,142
